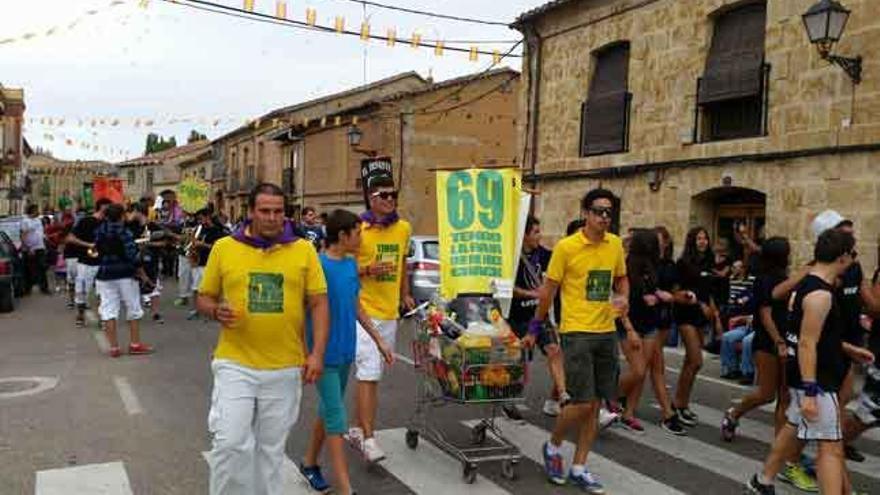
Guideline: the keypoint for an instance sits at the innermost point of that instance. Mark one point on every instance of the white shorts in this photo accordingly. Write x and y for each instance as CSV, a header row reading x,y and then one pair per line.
x,y
827,425
115,292
369,363
70,266
197,273
85,282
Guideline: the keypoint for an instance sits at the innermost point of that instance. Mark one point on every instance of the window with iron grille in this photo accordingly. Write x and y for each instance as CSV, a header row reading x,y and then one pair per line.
x,y
605,114
732,93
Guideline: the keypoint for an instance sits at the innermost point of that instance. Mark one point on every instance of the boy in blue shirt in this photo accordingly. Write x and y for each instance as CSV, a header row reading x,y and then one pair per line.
x,y
341,271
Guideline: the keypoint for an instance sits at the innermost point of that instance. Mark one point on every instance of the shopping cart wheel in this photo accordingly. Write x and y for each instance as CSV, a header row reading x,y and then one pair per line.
x,y
478,434
508,469
469,473
412,439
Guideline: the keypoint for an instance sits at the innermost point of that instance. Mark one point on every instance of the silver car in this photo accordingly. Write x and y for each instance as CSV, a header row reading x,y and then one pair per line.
x,y
423,267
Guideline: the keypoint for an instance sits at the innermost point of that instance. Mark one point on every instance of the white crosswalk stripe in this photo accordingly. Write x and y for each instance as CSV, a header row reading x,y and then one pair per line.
x,y
427,469
292,481
761,432
617,479
91,479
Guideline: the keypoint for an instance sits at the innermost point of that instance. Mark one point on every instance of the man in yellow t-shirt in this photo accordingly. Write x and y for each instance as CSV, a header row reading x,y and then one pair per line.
x,y
384,287
259,284
590,269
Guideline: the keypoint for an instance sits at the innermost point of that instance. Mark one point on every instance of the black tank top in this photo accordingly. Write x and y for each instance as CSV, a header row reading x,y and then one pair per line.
x,y
831,364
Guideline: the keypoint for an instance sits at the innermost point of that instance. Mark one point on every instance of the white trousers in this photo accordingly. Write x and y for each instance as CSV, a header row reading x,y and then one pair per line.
x,y
252,412
113,293
184,276
198,272
70,266
85,282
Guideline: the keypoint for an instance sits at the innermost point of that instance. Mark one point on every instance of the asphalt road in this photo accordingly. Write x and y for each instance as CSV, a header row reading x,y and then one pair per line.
x,y
138,424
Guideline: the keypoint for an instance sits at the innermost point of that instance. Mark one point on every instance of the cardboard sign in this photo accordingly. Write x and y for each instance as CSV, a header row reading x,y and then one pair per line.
x,y
105,187
193,194
478,213
370,168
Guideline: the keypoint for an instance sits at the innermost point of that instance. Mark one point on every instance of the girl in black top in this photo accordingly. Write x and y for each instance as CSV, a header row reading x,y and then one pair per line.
x,y
771,292
639,340
694,309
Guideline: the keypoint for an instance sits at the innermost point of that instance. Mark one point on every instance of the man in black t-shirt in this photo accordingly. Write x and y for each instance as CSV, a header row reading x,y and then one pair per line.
x,y
151,251
211,232
533,262
867,412
82,240
816,369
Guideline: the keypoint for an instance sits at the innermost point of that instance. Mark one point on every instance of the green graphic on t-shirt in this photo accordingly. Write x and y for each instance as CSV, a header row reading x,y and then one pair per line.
x,y
599,285
388,254
266,293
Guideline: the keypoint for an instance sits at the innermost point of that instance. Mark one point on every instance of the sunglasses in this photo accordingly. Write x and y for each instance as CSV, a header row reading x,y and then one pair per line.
x,y
602,211
386,195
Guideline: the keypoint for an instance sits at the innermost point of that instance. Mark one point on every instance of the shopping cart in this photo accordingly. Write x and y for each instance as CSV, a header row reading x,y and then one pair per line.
x,y
482,372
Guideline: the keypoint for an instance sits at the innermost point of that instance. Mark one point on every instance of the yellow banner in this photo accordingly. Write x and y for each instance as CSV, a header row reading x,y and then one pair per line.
x,y
193,194
477,214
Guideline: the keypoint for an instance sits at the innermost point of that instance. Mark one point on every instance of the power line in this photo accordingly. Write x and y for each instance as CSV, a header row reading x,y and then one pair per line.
x,y
431,14
216,8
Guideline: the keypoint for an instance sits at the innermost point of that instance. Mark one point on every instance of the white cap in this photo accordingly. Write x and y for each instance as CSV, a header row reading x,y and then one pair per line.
x,y
828,219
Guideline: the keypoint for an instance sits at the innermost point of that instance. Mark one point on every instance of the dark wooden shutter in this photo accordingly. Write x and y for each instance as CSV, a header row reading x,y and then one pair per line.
x,y
734,68
604,114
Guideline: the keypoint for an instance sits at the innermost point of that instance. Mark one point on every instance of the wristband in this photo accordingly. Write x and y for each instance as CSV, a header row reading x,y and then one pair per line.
x,y
811,389
536,326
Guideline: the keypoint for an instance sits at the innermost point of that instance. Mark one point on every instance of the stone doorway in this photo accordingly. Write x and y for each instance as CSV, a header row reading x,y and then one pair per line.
x,y
726,211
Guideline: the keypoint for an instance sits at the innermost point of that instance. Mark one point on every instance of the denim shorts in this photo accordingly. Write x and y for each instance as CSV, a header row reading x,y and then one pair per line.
x,y
331,390
644,332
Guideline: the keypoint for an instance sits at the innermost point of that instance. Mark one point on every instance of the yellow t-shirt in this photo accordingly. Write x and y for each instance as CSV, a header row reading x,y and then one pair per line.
x,y
586,272
381,295
270,287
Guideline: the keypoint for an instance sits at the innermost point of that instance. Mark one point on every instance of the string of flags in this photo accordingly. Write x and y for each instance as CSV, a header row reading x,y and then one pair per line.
x,y
59,28
137,123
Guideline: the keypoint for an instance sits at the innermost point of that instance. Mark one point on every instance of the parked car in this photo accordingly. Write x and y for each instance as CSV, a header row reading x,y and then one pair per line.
x,y
423,267
11,273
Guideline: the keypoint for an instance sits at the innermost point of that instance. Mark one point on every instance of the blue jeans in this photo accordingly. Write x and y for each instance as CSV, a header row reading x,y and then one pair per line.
x,y
729,361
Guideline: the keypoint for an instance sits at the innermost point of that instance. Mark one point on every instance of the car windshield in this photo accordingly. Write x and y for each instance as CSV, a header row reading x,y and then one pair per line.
x,y
432,250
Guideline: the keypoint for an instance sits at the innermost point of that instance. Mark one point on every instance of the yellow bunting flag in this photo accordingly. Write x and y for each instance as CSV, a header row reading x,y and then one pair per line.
x,y
474,55
365,31
392,36
311,16
416,40
249,5
340,24
496,57
438,49
281,9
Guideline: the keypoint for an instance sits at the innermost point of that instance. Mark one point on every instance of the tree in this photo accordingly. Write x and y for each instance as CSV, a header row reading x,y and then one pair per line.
x,y
195,136
157,143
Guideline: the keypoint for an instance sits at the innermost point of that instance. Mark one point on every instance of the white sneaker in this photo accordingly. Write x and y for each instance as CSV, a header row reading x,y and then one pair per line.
x,y
355,437
372,452
606,417
551,408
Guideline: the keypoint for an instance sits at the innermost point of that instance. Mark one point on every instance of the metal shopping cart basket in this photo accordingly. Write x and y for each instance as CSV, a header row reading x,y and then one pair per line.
x,y
481,372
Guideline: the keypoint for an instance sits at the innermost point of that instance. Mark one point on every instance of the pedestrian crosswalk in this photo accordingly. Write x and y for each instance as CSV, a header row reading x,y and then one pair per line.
x,y
429,470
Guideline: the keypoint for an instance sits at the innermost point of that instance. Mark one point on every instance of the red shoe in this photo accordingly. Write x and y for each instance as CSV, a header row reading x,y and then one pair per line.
x,y
140,349
114,352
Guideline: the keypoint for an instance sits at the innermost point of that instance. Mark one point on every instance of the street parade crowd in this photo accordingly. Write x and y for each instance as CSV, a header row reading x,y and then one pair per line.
x,y
315,301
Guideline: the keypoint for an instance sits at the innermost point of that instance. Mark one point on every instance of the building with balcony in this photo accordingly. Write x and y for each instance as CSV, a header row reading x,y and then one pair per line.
x,y
13,151
719,113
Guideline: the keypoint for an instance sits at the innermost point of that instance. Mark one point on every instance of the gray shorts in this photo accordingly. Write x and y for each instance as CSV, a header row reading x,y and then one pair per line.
x,y
827,425
591,366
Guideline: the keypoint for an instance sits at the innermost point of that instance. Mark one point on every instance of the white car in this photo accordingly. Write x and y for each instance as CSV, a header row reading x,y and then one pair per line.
x,y
423,267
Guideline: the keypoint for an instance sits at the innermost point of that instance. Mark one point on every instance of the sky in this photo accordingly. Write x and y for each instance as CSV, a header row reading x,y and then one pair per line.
x,y
114,60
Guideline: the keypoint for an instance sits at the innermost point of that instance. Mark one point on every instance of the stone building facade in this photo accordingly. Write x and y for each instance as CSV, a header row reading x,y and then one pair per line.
x,y
13,151
151,174
458,123
53,179
717,129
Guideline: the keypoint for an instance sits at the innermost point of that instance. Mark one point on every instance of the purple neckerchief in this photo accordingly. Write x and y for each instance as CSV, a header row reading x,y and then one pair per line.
x,y
287,236
371,219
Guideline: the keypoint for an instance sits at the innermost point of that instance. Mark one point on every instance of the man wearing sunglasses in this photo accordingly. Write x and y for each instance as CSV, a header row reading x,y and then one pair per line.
x,y
589,268
384,287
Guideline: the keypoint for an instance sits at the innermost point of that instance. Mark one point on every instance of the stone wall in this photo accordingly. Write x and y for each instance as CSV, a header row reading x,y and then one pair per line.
x,y
810,101
796,190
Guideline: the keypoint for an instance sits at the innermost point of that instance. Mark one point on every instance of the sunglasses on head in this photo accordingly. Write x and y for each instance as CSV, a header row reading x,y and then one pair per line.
x,y
386,195
602,211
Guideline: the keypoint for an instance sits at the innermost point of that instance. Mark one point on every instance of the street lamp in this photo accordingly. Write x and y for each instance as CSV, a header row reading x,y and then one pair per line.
x,y
825,22
354,136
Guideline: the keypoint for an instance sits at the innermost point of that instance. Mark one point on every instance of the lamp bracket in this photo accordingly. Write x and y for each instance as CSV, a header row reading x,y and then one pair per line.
x,y
851,65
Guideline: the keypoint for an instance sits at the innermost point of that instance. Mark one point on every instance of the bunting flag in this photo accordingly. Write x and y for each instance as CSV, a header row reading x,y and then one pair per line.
x,y
438,49
249,5
365,31
496,57
340,24
392,36
475,54
416,40
311,16
281,9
